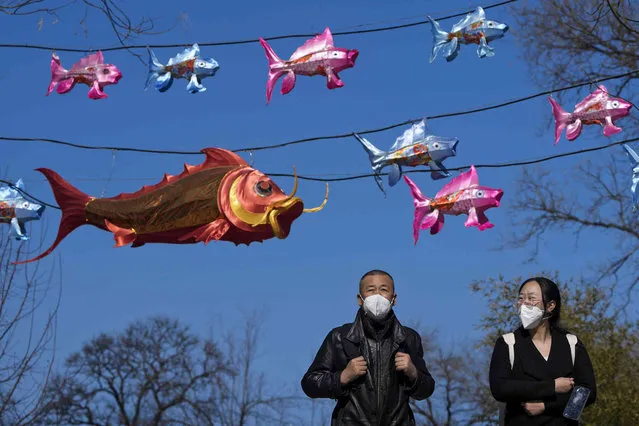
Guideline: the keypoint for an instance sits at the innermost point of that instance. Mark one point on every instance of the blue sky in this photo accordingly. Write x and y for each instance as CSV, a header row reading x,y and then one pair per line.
x,y
306,283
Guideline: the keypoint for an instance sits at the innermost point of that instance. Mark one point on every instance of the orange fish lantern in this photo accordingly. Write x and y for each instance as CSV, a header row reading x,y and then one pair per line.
x,y
222,199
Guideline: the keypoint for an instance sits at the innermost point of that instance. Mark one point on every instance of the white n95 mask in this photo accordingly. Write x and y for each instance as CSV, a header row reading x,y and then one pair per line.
x,y
377,306
530,316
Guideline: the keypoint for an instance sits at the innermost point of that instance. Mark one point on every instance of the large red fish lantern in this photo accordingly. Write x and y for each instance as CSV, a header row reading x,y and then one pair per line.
x,y
221,199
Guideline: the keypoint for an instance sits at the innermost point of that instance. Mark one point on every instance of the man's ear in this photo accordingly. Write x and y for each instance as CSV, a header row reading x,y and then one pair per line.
x,y
394,299
359,300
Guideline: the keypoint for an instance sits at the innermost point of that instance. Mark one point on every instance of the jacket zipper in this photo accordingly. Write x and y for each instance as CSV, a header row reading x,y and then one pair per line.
x,y
379,361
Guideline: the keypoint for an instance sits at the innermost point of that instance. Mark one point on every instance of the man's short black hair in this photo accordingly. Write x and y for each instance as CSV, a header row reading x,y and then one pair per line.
x,y
376,272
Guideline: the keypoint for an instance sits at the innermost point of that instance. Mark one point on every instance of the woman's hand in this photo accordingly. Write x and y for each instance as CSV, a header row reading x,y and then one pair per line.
x,y
534,408
564,384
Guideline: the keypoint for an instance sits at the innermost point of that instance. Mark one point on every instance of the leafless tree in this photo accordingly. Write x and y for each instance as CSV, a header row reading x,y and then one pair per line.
x,y
566,42
462,396
597,201
159,373
119,20
321,411
156,372
248,398
26,349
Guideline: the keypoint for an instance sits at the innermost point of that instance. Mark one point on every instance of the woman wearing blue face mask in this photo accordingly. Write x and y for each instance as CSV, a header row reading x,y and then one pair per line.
x,y
534,370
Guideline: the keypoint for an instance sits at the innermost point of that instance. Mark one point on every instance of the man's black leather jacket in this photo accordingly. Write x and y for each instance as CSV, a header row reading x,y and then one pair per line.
x,y
381,396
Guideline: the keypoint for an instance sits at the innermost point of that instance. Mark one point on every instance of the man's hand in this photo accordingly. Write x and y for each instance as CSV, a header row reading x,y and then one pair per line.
x,y
534,408
564,384
404,364
356,367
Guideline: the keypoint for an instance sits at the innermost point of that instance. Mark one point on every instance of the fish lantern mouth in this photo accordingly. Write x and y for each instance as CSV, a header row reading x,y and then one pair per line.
x,y
506,28
281,214
281,220
498,196
118,76
352,56
40,211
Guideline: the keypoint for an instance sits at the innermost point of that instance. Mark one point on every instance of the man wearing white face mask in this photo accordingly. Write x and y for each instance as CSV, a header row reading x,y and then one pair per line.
x,y
373,365
534,369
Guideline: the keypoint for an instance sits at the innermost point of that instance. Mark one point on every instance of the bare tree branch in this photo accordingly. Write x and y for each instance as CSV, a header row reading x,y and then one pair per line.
x,y
546,208
25,361
565,41
155,372
247,396
118,19
461,376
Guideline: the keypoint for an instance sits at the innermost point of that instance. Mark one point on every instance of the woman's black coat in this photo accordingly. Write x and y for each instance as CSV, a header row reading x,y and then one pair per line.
x,y
532,378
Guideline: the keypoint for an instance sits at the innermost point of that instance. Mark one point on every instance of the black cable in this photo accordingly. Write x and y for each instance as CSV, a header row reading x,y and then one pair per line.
x,y
109,148
227,43
317,138
27,195
435,117
424,170
477,166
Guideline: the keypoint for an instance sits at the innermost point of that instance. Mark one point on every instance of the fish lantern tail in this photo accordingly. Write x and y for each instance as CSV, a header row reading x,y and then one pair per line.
x,y
274,73
72,203
561,118
442,41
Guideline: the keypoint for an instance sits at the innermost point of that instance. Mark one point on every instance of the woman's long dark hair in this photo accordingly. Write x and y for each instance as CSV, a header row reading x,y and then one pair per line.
x,y
549,292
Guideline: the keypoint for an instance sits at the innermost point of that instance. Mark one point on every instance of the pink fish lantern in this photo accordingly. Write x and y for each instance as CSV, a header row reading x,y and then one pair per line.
x,y
597,108
318,56
91,71
462,195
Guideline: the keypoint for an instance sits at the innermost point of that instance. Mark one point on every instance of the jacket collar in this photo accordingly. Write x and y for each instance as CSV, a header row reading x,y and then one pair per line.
x,y
356,334
534,364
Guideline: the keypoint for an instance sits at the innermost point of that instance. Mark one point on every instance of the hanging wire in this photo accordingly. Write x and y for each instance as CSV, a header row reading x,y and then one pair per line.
x,y
424,170
249,41
110,174
327,137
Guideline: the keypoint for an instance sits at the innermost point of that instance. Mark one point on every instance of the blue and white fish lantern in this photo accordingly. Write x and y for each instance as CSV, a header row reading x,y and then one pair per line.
x,y
16,210
415,147
188,65
473,29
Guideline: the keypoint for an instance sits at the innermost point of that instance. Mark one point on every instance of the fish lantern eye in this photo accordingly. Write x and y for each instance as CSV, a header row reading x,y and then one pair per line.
x,y
615,104
263,189
490,24
436,145
25,204
105,71
201,64
479,194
